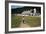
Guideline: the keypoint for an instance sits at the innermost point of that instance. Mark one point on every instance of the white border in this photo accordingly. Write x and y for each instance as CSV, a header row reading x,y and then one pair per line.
x,y
21,29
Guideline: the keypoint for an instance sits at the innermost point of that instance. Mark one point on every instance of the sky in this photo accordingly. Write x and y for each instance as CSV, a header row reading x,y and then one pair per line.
x,y
13,6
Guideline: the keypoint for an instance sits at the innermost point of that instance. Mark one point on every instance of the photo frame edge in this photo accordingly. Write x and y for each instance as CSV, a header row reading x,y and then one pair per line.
x,y
6,16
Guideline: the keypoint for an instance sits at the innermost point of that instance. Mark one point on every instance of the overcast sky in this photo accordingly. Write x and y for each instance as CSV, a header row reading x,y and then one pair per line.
x,y
13,6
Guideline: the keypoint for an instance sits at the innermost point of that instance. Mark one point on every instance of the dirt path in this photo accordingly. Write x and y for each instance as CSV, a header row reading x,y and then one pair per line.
x,y
24,25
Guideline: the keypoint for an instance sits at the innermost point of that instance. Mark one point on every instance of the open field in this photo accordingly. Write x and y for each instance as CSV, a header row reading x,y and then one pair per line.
x,y
32,21
15,21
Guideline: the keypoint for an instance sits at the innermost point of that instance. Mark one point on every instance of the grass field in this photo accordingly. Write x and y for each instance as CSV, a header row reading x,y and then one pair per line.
x,y
15,21
31,21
